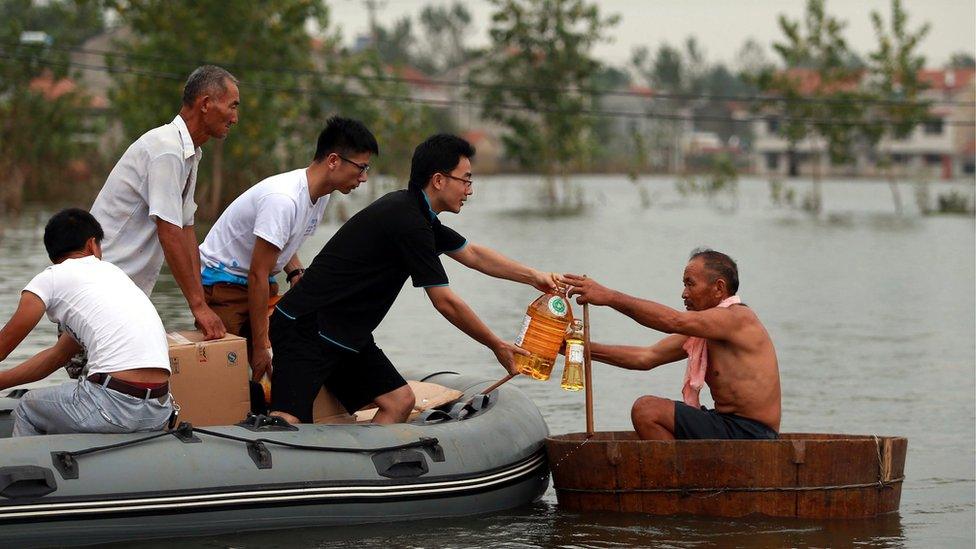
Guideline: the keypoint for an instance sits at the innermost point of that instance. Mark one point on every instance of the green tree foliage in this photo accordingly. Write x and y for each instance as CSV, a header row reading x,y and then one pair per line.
x,y
41,125
664,72
265,45
445,30
687,75
961,60
540,54
395,45
383,105
894,80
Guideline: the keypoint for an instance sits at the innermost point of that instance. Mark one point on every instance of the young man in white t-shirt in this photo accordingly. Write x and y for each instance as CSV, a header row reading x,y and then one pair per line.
x,y
103,312
260,233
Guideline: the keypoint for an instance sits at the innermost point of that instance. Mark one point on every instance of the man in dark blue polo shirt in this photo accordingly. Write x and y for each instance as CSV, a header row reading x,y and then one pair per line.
x,y
322,329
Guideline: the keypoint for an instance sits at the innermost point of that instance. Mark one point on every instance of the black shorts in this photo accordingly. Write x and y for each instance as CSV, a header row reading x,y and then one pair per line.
x,y
694,423
303,361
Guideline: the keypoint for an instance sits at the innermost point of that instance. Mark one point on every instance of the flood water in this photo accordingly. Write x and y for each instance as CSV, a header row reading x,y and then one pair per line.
x,y
873,316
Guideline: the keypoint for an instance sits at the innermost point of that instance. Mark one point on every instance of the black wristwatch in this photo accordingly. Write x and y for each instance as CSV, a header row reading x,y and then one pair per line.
x,y
293,274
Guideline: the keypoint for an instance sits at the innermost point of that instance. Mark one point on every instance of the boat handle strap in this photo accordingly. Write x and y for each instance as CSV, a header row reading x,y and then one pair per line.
x,y
67,465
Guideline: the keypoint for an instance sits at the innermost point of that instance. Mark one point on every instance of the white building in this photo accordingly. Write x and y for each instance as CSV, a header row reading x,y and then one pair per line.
x,y
934,149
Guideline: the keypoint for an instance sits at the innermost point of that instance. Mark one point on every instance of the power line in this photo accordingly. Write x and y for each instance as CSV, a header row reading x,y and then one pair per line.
x,y
469,103
667,96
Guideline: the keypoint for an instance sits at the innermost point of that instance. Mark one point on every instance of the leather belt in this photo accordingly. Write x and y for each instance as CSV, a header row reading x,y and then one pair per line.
x,y
128,388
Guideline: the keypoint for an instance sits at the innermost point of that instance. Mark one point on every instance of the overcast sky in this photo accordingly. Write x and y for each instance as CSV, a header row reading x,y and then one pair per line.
x,y
721,26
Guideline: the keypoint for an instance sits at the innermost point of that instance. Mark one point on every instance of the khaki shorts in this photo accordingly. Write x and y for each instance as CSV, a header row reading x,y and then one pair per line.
x,y
229,302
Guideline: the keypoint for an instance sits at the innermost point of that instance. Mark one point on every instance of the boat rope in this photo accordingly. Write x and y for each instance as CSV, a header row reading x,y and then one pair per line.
x,y
186,430
571,452
690,490
94,449
423,442
884,467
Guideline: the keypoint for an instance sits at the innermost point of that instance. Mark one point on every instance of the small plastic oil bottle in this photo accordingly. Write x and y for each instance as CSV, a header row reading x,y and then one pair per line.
x,y
573,369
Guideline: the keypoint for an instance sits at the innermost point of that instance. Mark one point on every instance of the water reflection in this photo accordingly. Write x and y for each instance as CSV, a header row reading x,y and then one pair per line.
x,y
543,525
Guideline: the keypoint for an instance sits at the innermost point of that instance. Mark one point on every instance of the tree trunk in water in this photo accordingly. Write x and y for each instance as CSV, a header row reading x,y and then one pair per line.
x,y
893,184
816,200
12,191
552,194
217,183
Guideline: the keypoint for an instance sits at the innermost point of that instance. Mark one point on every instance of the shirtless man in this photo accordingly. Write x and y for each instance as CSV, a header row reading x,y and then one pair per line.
x,y
741,368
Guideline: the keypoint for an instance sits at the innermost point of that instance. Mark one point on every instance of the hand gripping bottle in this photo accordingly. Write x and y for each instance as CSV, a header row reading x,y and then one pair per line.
x,y
573,368
542,333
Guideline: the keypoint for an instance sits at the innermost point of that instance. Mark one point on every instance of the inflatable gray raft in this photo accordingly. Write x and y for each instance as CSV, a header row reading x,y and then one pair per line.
x,y
479,454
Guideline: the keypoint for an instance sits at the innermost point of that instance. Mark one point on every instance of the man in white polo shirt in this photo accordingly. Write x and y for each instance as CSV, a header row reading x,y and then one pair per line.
x,y
101,311
260,233
146,206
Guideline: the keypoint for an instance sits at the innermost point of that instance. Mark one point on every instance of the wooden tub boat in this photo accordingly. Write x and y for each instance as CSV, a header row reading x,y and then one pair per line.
x,y
814,476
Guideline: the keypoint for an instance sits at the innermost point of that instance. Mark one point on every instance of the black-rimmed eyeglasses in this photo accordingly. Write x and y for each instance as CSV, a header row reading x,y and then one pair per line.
x,y
467,182
363,168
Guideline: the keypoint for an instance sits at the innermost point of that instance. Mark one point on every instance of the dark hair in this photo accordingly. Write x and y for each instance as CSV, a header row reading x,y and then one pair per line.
x,y
68,230
720,266
345,136
204,79
439,153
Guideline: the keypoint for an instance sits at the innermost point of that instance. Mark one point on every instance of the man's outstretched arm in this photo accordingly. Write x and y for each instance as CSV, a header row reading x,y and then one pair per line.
x,y
42,364
713,323
29,312
493,263
458,313
630,357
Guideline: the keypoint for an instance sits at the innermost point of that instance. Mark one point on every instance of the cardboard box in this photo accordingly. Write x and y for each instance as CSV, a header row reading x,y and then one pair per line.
x,y
209,378
327,409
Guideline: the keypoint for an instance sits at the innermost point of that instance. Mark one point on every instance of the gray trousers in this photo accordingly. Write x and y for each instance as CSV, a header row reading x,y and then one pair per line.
x,y
85,407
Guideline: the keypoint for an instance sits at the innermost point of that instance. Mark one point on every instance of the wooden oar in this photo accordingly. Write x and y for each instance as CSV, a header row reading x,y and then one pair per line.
x,y
498,383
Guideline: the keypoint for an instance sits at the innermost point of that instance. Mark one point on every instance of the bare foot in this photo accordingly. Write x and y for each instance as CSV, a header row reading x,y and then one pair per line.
x,y
286,416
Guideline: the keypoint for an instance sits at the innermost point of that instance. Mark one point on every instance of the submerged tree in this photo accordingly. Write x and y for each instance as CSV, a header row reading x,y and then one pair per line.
x,y
445,30
42,112
268,48
384,106
895,83
537,81
394,45
820,102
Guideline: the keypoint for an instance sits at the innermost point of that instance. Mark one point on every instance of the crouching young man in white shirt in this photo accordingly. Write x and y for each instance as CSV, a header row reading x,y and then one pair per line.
x,y
260,233
102,311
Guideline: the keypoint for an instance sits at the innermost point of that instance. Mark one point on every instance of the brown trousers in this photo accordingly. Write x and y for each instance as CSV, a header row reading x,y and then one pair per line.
x,y
229,302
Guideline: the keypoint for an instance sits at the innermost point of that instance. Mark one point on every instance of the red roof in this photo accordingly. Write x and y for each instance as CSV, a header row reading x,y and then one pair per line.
x,y
475,136
641,90
51,88
946,79
808,81
413,75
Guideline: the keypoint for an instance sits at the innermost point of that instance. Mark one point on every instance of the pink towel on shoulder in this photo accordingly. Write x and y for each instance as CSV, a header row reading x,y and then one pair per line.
x,y
698,362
